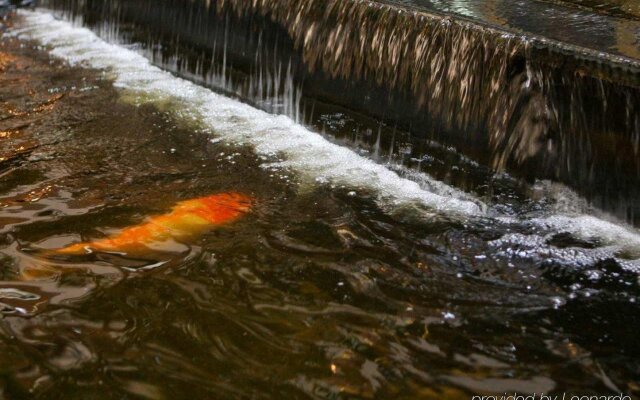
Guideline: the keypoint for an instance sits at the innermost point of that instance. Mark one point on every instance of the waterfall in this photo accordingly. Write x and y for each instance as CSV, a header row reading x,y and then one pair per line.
x,y
533,106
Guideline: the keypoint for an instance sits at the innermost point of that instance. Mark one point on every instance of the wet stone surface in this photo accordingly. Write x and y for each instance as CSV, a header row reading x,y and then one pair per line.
x,y
317,293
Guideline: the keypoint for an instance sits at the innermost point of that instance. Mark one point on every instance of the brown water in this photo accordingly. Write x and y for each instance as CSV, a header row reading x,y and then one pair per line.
x,y
622,8
609,26
319,292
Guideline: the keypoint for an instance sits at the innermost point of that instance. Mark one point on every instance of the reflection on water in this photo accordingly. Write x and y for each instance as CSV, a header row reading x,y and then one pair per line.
x,y
320,291
558,20
622,8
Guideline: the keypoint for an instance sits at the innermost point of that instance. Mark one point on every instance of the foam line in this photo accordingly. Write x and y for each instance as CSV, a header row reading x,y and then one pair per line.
x,y
307,153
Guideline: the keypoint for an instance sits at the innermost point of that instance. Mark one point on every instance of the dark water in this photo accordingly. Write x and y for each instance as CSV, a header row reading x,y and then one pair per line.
x,y
318,292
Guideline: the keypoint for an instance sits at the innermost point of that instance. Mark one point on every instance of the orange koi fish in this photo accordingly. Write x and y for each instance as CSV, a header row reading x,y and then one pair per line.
x,y
186,220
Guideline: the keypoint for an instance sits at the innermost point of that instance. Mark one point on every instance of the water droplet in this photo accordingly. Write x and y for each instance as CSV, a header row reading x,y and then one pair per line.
x,y
448,315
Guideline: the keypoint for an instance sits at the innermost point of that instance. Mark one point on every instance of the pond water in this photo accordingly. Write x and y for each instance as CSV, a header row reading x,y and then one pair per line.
x,y
353,275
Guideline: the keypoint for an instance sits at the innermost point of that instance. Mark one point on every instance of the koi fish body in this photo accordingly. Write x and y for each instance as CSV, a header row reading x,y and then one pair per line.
x,y
187,220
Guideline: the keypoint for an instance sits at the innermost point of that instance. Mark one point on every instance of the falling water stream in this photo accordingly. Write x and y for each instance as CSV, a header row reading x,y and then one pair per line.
x,y
379,258
542,91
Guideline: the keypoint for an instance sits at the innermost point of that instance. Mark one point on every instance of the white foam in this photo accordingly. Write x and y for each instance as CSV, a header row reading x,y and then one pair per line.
x,y
312,157
307,153
536,248
589,228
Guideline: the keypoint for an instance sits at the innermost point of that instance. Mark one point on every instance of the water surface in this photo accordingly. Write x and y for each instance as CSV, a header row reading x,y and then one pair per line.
x,y
355,275
602,26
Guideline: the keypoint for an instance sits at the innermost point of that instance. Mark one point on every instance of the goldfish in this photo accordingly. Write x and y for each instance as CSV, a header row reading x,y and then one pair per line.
x,y
187,220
